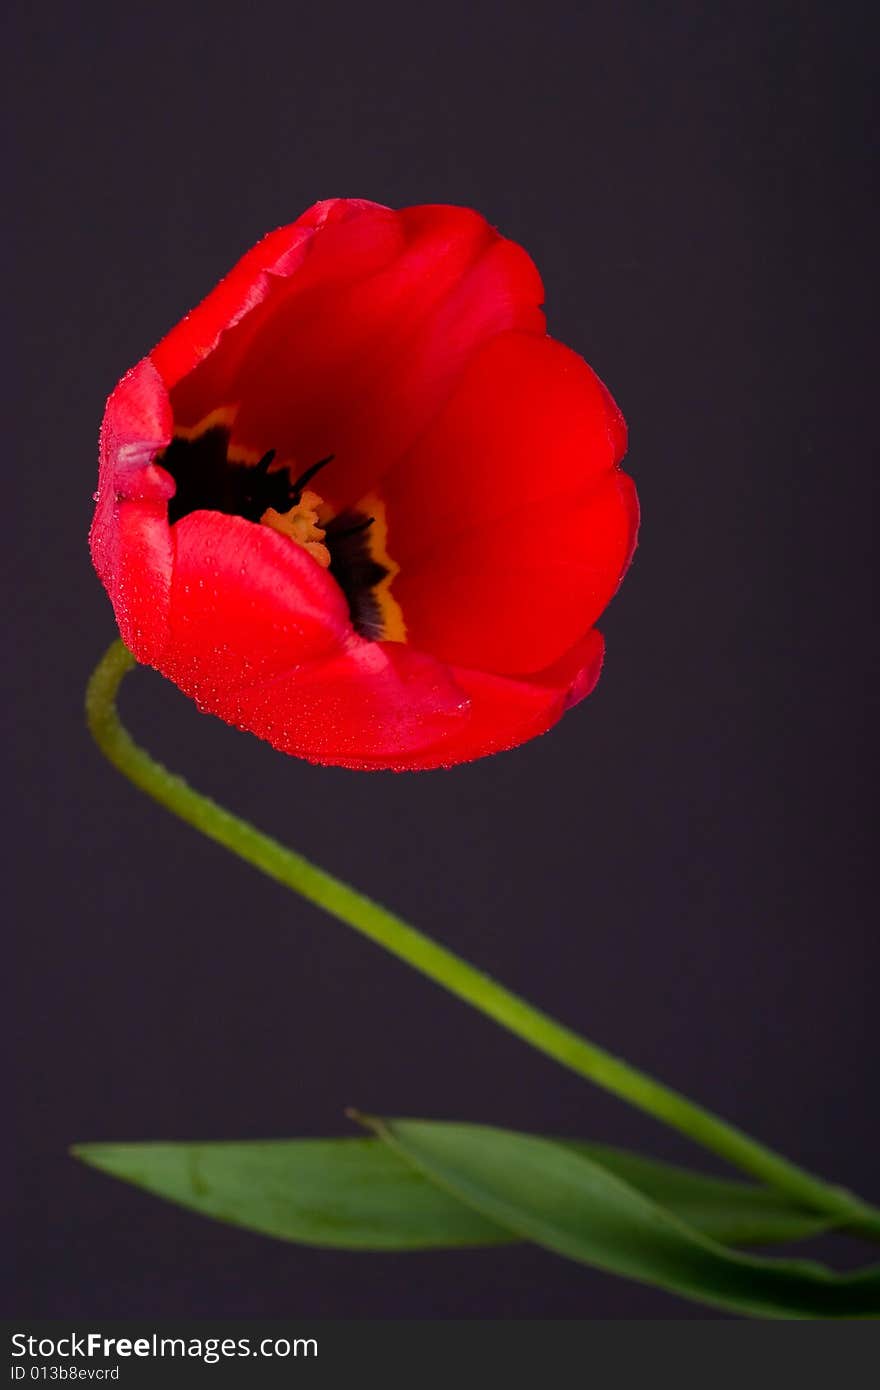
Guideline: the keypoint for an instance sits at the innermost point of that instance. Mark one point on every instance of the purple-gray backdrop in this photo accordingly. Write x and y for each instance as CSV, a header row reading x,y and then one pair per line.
x,y
682,869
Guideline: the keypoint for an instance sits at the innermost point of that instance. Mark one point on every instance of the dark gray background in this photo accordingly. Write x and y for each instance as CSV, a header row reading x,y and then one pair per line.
x,y
682,869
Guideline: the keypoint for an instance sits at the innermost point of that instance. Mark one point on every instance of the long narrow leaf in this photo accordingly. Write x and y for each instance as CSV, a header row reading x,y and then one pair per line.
x,y
350,1193
734,1213
561,1199
359,1194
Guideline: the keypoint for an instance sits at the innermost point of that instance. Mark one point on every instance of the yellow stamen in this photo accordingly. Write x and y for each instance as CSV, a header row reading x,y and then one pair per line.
x,y
301,525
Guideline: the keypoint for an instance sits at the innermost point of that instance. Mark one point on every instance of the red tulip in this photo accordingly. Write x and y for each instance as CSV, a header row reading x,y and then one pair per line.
x,y
359,503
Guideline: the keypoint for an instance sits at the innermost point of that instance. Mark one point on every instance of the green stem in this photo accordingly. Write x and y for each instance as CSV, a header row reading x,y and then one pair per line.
x,y
447,969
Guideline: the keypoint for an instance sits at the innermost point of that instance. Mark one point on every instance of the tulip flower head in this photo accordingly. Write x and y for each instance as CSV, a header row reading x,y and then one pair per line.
x,y
358,503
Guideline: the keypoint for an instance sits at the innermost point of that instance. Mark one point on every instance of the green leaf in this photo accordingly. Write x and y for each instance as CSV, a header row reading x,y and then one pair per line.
x,y
351,1193
359,1194
734,1213
561,1199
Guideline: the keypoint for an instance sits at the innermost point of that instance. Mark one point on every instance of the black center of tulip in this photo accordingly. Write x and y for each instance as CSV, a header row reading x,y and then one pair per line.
x,y
207,479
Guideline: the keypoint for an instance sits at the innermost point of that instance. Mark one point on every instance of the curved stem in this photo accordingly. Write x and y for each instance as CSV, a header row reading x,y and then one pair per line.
x,y
447,969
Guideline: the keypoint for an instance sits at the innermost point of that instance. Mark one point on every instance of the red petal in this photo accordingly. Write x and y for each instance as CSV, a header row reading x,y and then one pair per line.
x,y
511,596
247,604
277,256
503,713
355,242
529,425
385,707
372,705
359,349
141,580
130,542
459,290
506,713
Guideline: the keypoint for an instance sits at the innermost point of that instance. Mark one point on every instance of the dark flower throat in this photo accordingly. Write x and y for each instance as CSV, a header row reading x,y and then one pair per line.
x,y
207,479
